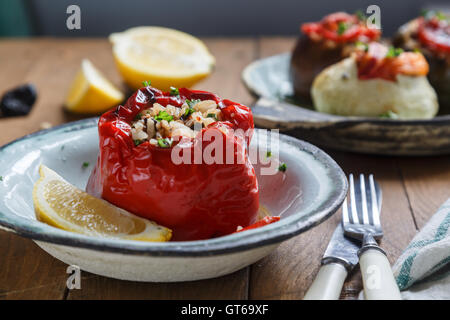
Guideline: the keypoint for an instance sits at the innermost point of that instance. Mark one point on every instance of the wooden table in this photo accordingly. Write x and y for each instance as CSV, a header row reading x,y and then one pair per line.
x,y
413,188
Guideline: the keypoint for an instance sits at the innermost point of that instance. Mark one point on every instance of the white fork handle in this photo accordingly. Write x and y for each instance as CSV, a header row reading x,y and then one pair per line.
x,y
378,280
328,283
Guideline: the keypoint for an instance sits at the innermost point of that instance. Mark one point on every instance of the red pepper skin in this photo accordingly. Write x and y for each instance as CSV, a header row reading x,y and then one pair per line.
x,y
374,63
261,223
434,34
327,29
197,201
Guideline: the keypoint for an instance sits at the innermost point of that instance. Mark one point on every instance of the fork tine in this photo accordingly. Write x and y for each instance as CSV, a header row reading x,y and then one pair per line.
x,y
352,200
365,211
375,209
345,216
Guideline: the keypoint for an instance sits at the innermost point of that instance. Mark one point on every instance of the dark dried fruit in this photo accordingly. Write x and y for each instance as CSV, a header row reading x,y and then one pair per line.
x,y
18,101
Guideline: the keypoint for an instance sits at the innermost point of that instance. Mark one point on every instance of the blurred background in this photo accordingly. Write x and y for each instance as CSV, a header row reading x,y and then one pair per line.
x,y
198,17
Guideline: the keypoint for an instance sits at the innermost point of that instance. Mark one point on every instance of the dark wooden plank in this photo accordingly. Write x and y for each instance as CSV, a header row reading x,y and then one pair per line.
x,y
27,272
289,271
232,56
269,46
233,286
51,66
427,181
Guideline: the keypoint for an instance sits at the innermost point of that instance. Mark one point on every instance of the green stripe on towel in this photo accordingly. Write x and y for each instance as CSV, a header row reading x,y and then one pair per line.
x,y
404,279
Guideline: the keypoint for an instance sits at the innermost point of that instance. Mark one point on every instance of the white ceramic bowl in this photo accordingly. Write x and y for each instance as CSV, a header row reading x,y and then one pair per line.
x,y
311,190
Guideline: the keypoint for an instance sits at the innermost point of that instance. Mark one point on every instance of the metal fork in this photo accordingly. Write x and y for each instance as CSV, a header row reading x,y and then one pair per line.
x,y
361,221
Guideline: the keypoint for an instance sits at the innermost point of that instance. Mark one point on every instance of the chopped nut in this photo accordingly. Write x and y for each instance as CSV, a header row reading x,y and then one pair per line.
x,y
205,105
150,128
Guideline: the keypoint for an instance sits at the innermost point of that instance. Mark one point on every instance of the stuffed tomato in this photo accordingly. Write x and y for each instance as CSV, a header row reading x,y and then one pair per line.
x,y
155,161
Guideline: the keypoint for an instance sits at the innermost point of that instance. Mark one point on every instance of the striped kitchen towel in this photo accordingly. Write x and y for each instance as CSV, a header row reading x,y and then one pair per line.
x,y
423,269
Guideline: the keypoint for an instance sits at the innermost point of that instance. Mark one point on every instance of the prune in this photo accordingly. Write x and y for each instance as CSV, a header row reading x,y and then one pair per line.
x,y
18,101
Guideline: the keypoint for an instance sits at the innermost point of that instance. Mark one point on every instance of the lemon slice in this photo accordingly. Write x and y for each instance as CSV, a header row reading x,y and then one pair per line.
x,y
91,92
164,56
64,206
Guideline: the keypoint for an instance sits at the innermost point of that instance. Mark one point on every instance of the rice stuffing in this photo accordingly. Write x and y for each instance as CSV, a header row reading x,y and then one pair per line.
x,y
159,125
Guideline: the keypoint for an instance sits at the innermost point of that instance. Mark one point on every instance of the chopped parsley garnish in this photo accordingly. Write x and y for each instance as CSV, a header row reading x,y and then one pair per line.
x,y
212,115
424,13
138,116
441,16
342,27
268,154
362,45
165,143
191,110
163,115
192,103
429,14
146,83
137,142
85,165
282,167
174,91
361,16
188,112
389,115
394,52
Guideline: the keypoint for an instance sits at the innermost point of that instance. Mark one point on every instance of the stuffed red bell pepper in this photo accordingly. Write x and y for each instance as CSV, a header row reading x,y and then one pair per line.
x,y
136,170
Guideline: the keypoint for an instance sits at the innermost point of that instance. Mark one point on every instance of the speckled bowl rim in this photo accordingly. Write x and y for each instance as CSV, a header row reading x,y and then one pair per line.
x,y
245,77
271,234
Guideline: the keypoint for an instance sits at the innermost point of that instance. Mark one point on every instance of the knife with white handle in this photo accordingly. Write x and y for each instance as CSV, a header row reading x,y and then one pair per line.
x,y
339,259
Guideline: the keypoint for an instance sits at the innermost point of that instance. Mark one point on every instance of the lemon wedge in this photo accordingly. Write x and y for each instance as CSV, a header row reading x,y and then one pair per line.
x,y
62,205
91,92
164,56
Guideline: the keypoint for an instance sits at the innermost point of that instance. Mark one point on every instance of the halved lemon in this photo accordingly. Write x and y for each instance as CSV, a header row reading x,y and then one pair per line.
x,y
62,205
166,57
91,92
